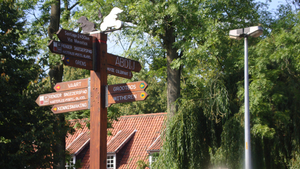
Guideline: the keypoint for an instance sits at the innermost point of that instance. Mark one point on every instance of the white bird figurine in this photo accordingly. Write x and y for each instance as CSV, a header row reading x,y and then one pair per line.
x,y
111,20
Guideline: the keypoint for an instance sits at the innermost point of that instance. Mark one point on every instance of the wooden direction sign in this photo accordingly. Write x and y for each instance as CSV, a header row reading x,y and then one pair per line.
x,y
75,38
124,63
119,72
63,97
67,107
126,97
127,87
70,50
71,85
78,62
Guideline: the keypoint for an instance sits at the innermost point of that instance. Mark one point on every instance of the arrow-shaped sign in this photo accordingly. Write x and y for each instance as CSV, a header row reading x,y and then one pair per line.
x,y
126,97
68,107
78,62
117,71
75,38
71,85
127,87
124,63
62,97
70,50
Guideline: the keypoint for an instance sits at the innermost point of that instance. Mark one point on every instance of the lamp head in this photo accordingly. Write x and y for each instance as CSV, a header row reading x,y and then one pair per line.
x,y
254,31
236,34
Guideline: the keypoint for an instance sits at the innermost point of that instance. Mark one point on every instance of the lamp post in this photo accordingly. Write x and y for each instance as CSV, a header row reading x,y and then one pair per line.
x,y
254,31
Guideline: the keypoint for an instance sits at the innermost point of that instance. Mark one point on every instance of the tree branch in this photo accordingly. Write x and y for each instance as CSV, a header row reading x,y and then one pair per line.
x,y
73,6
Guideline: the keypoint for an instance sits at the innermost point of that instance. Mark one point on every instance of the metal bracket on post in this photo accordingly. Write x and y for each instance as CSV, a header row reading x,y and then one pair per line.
x,y
89,92
106,96
95,46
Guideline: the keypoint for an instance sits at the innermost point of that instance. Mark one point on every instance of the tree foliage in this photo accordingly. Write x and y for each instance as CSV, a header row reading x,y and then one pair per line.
x,y
26,130
187,37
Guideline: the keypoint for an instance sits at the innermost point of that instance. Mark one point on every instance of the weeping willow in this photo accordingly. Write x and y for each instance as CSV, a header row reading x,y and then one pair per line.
x,y
192,135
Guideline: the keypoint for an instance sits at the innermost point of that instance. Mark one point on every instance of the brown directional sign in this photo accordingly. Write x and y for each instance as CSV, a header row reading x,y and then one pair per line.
x,y
70,50
78,62
119,72
127,97
71,85
124,63
127,87
62,97
68,107
75,38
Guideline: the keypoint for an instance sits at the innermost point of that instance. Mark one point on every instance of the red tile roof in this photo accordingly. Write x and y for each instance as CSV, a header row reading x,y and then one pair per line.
x,y
119,140
131,137
78,144
83,128
155,146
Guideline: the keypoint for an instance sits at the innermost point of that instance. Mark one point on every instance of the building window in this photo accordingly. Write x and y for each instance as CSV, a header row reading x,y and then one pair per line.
x,y
71,163
111,161
153,157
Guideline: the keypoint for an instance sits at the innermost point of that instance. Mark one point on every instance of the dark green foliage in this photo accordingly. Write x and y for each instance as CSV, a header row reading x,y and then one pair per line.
x,y
186,139
26,130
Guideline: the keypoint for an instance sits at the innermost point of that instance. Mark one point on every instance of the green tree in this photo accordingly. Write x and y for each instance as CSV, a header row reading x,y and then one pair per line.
x,y
275,93
26,130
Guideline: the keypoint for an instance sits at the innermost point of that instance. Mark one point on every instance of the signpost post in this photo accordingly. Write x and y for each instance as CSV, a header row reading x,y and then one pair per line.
x,y
90,52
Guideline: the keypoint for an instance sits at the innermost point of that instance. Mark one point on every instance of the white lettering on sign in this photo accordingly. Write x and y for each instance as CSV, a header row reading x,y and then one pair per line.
x,y
64,100
83,37
66,52
53,96
80,49
80,42
75,84
125,63
125,97
121,72
69,39
66,46
124,88
111,69
72,106
77,92
81,63
82,55
67,33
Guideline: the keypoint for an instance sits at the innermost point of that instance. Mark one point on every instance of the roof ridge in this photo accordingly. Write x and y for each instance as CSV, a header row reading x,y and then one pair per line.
x,y
84,144
141,115
154,142
125,141
79,120
76,139
114,137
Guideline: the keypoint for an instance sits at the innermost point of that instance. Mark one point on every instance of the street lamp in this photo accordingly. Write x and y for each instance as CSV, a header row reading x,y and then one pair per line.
x,y
254,31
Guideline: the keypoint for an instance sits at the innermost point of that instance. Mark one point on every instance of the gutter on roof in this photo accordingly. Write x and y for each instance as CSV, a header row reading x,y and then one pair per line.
x,y
123,143
82,147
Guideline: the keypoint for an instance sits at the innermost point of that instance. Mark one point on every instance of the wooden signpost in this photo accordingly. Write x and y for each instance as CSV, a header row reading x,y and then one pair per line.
x,y
68,107
75,38
90,52
70,50
62,97
77,62
70,85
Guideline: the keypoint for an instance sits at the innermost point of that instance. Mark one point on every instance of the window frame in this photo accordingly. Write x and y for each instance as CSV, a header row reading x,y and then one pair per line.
x,y
114,161
153,157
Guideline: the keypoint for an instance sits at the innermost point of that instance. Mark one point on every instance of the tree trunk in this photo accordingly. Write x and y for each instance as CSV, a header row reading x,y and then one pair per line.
x,y
54,18
56,74
59,128
173,75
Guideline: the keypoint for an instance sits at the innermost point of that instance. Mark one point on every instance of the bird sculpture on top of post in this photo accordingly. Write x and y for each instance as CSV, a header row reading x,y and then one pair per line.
x,y
110,22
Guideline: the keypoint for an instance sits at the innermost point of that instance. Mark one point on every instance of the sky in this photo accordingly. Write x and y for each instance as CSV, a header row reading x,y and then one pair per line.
x,y
117,49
